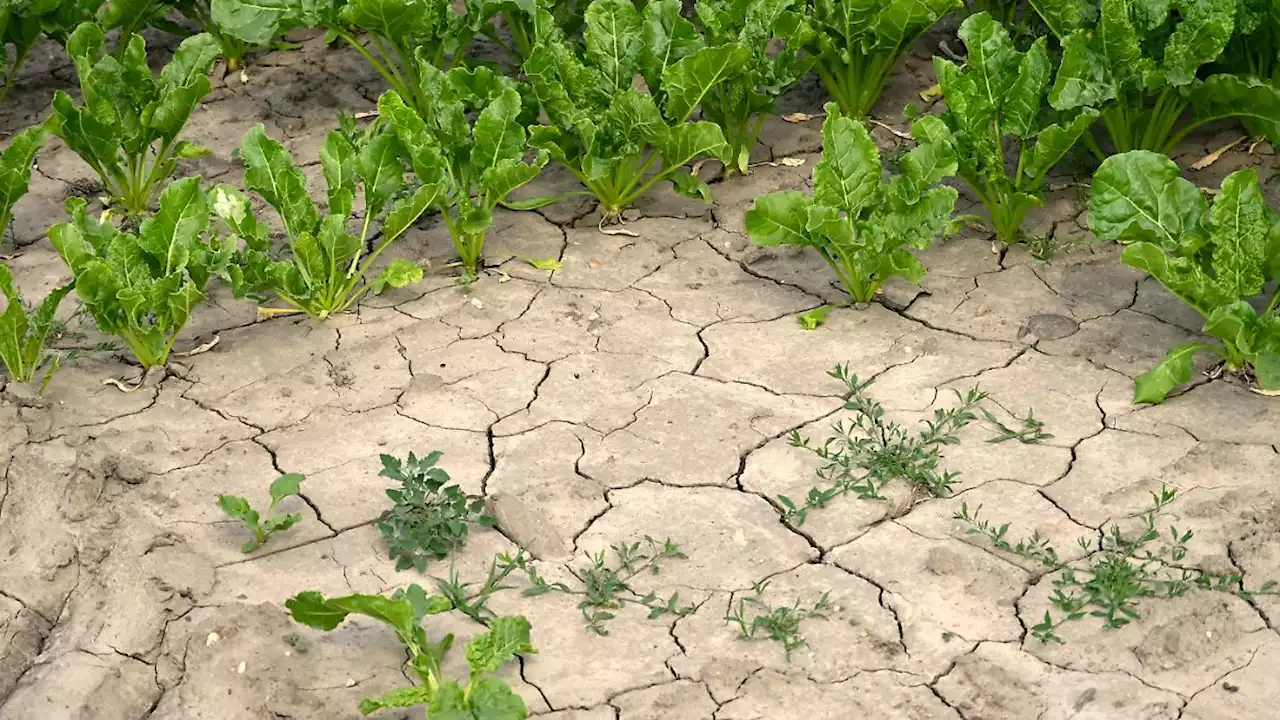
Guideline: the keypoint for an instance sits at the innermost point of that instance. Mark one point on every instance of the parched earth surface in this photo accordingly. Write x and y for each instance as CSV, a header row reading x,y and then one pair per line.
x,y
644,388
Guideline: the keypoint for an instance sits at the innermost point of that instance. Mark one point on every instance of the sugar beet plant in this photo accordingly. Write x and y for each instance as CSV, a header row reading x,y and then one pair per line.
x,y
618,141
772,33
482,697
1140,65
141,286
325,268
128,125
1219,260
996,99
24,22
467,151
857,45
1254,49
23,331
16,163
862,226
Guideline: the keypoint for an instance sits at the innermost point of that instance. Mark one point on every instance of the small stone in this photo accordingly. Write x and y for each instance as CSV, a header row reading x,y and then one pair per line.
x,y
240,668
351,682
211,639
477,303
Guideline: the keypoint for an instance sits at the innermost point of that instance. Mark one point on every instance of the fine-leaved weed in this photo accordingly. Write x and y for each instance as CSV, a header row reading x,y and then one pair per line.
x,y
127,125
1117,572
141,286
23,331
863,226
327,267
604,588
430,517
238,508
467,151
996,100
756,619
1220,259
483,695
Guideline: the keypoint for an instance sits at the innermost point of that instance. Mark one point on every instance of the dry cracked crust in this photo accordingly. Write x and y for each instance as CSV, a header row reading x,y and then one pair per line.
x,y
646,387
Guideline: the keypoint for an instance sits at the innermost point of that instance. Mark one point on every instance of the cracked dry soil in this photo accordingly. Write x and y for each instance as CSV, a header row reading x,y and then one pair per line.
x,y
646,387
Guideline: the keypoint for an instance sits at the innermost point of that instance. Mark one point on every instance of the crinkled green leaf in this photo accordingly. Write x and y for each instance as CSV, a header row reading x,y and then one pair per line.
x,y
613,40
848,175
1173,370
688,81
398,273
506,638
338,159
1140,195
780,218
493,699
399,698
15,170
284,486
270,172
1239,223
668,39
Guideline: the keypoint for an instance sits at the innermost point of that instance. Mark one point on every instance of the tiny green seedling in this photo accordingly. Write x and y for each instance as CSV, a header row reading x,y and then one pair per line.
x,y
812,319
237,508
1032,432
781,623
430,517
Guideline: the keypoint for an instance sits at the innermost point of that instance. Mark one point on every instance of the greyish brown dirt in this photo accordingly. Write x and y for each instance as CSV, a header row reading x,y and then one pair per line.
x,y
645,388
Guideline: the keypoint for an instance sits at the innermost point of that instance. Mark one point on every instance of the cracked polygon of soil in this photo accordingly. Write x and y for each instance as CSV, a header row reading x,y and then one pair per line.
x,y
646,387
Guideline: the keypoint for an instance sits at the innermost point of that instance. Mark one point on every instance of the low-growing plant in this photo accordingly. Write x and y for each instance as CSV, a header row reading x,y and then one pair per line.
x,y
1139,64
865,455
141,286
483,697
15,171
756,619
400,33
604,589
468,150
1031,433
238,508
773,33
24,22
618,141
1116,573
857,45
326,268
863,226
429,517
1218,259
996,99
23,331
128,124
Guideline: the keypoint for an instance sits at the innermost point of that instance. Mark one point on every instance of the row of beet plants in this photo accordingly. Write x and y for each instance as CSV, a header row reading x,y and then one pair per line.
x,y
641,97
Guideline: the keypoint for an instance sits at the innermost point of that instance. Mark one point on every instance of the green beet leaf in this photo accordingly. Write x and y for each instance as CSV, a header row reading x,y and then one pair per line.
x,y
771,36
469,149
23,331
15,170
1254,50
617,140
1218,258
1141,65
141,286
864,227
23,23
325,268
857,45
483,697
128,124
996,100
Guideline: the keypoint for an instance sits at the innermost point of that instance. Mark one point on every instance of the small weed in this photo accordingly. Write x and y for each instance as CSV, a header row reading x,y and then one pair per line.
x,y
474,603
604,589
1032,432
870,452
1114,576
237,508
781,623
429,518
296,641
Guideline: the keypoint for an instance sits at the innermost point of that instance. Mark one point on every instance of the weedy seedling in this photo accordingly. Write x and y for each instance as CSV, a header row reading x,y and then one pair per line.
x,y
1220,259
483,696
237,508
1031,433
429,518
23,331
127,126
1116,573
863,226
780,623
865,455
604,589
